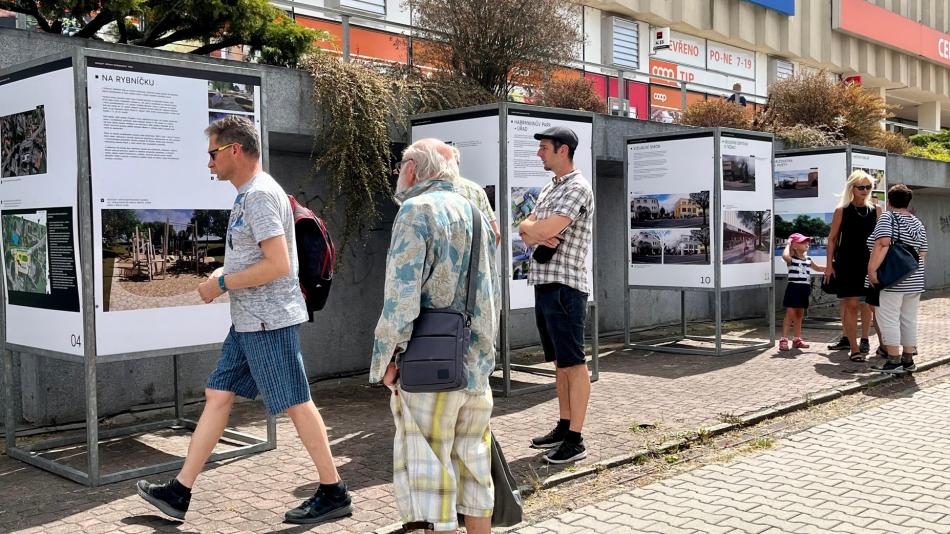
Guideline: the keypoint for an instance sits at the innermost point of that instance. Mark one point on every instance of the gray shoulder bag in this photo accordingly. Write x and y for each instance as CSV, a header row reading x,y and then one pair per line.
x,y
434,359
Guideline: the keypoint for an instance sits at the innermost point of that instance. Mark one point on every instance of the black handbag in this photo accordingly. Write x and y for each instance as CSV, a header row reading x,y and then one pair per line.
x,y
434,359
900,262
509,509
543,254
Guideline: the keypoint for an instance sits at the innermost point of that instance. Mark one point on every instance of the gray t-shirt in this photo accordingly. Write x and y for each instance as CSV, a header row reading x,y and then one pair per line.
x,y
261,211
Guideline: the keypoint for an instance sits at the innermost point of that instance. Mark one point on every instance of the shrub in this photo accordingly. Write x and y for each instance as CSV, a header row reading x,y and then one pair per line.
x,y
934,146
845,111
716,112
931,151
570,93
894,143
801,136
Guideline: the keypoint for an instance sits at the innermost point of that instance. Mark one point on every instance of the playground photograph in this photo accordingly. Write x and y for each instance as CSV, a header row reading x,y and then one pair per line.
x,y
155,258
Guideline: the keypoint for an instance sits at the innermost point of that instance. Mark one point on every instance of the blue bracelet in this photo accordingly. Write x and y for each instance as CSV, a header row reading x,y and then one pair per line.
x,y
221,283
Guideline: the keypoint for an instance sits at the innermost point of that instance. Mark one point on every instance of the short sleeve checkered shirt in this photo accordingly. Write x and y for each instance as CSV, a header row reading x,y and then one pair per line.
x,y
572,197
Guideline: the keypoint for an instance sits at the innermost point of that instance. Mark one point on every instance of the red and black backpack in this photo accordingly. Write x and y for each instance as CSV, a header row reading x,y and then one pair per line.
x,y
315,256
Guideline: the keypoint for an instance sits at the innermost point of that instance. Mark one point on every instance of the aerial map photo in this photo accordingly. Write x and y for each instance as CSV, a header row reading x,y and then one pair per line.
x,y
26,257
23,143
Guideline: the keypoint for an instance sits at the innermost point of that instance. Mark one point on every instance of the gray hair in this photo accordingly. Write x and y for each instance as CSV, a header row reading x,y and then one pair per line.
x,y
236,129
430,162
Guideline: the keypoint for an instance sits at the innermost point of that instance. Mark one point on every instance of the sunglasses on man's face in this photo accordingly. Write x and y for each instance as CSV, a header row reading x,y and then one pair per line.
x,y
213,153
863,187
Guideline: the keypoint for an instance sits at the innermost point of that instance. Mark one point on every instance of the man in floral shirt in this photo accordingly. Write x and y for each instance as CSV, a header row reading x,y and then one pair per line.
x,y
441,451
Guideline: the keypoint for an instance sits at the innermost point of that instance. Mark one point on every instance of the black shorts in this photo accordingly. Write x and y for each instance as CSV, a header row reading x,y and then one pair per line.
x,y
796,295
560,312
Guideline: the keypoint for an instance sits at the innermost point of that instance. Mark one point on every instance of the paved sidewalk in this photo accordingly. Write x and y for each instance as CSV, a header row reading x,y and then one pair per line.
x,y
885,470
675,393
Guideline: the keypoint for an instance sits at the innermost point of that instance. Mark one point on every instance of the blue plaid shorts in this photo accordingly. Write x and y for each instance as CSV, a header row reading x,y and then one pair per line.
x,y
265,362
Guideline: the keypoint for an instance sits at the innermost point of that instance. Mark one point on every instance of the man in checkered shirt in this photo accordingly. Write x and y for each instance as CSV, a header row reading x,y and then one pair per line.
x,y
563,218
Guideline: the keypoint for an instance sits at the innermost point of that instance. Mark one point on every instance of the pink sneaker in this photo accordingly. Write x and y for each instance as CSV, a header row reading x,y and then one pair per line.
x,y
783,344
799,344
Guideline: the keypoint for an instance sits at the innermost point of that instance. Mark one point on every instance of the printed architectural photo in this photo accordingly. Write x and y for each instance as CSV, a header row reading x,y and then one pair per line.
x,y
23,143
520,259
675,246
676,210
157,258
800,183
876,174
745,236
229,96
817,226
26,254
738,173
523,200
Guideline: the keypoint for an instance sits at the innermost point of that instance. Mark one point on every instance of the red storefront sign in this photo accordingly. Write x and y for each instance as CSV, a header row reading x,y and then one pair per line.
x,y
868,21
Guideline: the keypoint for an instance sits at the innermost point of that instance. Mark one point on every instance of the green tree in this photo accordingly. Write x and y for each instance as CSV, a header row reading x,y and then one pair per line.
x,y
783,228
118,225
811,226
702,200
210,24
211,222
758,220
498,44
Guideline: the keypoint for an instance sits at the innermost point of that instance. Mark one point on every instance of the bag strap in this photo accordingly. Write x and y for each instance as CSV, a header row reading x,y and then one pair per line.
x,y
894,223
473,260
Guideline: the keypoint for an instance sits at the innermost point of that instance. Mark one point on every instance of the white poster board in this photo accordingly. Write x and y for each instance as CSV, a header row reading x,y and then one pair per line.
x,y
475,135
874,164
807,188
669,195
746,226
38,210
151,187
526,178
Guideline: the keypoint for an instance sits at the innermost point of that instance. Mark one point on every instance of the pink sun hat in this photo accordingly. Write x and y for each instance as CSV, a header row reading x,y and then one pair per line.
x,y
798,238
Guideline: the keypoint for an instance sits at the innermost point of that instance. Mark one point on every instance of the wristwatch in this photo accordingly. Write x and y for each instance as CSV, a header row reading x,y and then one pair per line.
x,y
221,283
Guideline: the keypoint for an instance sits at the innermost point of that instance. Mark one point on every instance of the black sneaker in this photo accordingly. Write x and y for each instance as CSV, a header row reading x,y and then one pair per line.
x,y
166,499
865,346
907,362
890,368
323,506
566,453
842,344
550,440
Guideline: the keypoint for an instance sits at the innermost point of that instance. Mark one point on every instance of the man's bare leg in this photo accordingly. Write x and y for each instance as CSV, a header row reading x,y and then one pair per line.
x,y
313,434
563,393
579,388
211,424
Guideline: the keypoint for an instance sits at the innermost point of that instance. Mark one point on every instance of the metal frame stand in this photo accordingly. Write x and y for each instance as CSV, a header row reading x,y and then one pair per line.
x,y
503,361
32,454
665,344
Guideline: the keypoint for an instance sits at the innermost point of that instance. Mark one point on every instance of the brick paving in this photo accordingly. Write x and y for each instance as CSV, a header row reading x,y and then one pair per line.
x,y
884,470
674,392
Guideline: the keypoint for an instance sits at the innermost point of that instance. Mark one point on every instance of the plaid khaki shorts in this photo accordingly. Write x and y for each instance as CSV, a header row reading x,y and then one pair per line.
x,y
442,457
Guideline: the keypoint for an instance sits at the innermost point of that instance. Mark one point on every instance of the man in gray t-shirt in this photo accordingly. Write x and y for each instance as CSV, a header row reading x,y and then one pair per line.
x,y
261,354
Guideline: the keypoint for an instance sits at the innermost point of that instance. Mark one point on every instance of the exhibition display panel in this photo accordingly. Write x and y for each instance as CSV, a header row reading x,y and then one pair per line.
x,y
699,205
808,185
110,220
498,151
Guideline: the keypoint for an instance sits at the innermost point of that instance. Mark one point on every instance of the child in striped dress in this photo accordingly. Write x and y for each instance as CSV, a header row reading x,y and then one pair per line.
x,y
798,290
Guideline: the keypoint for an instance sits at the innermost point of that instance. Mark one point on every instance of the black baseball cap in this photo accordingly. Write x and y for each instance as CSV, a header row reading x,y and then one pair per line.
x,y
562,135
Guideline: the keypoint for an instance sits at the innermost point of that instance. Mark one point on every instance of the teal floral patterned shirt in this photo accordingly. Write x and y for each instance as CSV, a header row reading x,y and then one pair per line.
x,y
427,267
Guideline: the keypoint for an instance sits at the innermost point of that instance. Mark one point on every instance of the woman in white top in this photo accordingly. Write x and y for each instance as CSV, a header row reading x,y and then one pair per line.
x,y
897,311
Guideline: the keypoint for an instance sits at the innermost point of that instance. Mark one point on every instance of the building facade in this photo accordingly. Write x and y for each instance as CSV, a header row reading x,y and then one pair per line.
x,y
899,48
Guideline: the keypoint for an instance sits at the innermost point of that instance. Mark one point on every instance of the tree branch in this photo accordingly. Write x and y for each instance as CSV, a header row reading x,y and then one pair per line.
x,y
211,47
102,18
29,7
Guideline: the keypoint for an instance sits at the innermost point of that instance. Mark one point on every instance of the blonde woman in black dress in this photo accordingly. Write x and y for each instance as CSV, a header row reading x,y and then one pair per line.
x,y
853,222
